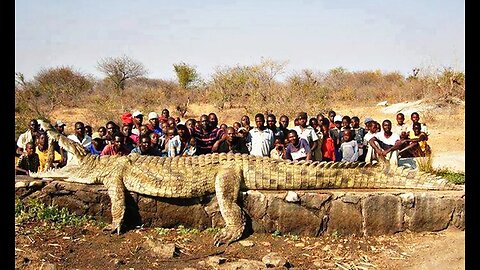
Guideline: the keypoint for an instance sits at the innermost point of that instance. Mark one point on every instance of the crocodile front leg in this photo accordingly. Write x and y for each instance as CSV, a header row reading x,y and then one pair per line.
x,y
227,189
116,192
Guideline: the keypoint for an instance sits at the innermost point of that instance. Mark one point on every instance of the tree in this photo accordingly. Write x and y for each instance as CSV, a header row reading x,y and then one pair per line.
x,y
120,69
187,75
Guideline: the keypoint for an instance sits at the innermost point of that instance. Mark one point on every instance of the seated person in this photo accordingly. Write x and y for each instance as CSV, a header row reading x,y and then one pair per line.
x,y
384,145
97,146
297,148
416,143
230,143
117,147
145,147
28,161
278,151
42,151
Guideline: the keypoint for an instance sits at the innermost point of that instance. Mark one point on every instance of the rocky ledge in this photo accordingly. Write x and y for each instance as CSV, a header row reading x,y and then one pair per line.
x,y
308,213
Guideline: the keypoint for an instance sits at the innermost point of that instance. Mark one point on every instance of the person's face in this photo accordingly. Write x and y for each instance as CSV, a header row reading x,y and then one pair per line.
x,y
331,116
213,120
190,124
338,124
416,130
138,120
154,121
259,122
230,134
29,149
400,119
145,145
415,118
88,130
79,129
320,118
387,126
302,121
127,130
345,123
245,121
170,133
236,125
33,126
61,129
154,138
143,130
284,122
313,122
355,123
223,126
292,138
171,122
177,120
181,132
204,122
110,129
102,131
166,113
42,140
117,142
278,143
271,122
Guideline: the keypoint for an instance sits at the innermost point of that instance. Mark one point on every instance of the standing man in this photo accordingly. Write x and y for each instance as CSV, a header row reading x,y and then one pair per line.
x,y
271,124
154,123
80,137
260,139
28,136
208,134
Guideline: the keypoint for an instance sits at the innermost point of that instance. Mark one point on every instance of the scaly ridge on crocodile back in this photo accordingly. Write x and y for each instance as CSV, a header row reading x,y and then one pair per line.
x,y
225,175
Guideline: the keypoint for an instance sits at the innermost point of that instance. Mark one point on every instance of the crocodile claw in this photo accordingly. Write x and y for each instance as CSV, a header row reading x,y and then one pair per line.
x,y
228,235
112,228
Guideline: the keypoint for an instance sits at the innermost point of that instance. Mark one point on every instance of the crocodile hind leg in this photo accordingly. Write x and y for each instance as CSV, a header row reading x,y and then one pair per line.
x,y
116,192
227,190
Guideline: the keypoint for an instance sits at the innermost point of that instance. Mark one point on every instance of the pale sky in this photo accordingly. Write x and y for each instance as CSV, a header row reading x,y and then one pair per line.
x,y
318,35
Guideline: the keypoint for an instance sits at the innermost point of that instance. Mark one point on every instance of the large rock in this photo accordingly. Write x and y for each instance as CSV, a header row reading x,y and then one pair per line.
x,y
432,213
345,218
383,214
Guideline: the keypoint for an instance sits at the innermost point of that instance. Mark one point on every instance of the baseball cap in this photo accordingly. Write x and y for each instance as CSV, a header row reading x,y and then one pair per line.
x,y
152,115
337,118
367,120
137,113
59,123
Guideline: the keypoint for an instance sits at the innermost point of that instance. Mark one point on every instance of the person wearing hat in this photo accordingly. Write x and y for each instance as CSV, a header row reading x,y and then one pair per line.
x,y
137,119
154,124
60,126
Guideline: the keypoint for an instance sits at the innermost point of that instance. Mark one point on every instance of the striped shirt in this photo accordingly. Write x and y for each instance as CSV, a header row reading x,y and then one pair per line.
x,y
206,139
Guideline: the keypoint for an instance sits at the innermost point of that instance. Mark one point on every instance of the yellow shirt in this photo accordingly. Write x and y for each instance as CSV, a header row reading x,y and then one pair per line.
x,y
43,156
422,144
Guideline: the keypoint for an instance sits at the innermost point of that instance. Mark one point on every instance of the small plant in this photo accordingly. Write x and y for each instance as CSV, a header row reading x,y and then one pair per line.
x,y
277,233
161,231
182,230
212,230
292,237
335,234
453,177
34,210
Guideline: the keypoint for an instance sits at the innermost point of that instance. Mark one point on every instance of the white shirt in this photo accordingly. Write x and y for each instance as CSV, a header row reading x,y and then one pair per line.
x,y
308,133
24,138
390,140
260,142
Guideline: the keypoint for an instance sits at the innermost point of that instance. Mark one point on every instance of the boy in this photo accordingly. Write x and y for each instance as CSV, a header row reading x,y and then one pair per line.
x,y
349,147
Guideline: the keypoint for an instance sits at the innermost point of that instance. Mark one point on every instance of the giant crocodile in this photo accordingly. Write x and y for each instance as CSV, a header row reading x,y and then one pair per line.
x,y
224,175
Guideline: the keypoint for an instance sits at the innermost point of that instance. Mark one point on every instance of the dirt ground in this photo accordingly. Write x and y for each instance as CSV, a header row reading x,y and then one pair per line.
x,y
38,247
88,247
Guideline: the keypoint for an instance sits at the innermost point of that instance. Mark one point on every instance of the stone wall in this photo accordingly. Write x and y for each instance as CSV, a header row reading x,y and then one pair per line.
x,y
309,213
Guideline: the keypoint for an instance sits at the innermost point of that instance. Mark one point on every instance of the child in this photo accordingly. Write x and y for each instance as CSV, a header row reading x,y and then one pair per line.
x,y
328,146
349,147
96,146
28,161
334,133
358,134
278,152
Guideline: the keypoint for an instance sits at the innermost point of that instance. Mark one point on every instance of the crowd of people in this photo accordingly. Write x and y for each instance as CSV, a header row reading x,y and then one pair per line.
x,y
320,138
